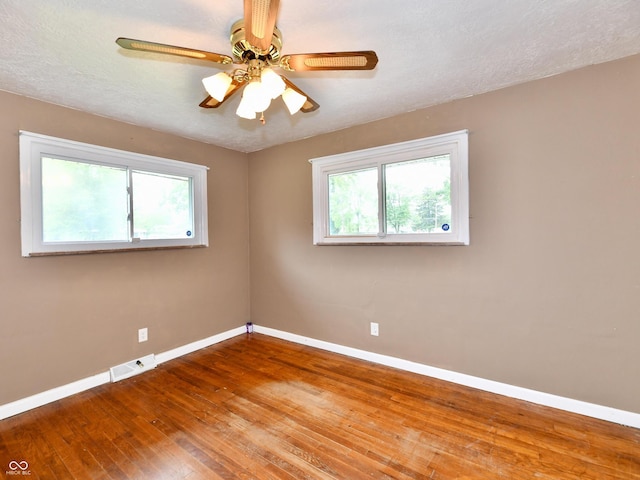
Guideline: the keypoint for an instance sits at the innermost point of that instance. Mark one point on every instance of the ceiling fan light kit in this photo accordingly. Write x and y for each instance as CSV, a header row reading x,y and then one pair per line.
x,y
256,43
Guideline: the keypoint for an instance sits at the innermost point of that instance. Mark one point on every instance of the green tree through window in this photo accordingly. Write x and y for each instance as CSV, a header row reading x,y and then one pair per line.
x,y
434,209
418,195
353,203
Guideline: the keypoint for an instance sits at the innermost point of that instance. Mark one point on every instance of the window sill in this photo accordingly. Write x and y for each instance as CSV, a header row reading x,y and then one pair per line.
x,y
390,244
114,250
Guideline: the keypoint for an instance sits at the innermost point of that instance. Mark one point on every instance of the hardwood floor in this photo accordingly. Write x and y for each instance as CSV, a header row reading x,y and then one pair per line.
x,y
255,407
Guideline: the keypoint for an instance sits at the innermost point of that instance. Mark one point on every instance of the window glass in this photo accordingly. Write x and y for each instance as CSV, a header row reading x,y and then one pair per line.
x,y
353,203
418,195
83,202
161,206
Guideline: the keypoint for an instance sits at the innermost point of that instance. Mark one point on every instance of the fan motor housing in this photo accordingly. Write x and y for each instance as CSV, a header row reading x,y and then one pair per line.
x,y
243,51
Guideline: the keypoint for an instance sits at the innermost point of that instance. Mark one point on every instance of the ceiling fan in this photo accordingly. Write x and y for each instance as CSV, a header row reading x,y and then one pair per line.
x,y
256,45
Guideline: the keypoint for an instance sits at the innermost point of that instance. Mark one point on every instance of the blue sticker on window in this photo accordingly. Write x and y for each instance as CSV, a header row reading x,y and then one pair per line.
x,y
445,227
188,233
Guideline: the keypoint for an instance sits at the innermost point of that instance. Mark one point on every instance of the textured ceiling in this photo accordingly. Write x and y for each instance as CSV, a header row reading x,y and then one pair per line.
x,y
430,52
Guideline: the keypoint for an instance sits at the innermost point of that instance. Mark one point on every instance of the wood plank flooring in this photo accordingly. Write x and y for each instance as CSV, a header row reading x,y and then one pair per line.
x,y
255,407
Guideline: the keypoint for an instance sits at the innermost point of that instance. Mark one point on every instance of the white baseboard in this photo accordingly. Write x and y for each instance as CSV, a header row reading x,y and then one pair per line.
x,y
567,404
39,399
614,415
200,344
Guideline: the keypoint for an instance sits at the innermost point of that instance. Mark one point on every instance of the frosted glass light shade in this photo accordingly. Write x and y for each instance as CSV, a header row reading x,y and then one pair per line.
x,y
272,82
217,85
244,110
293,100
256,96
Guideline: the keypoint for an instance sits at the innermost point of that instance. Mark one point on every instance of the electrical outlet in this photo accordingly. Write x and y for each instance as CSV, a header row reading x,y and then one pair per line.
x,y
374,329
143,335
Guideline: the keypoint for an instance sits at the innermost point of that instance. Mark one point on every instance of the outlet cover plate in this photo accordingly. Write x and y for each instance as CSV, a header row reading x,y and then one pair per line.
x,y
143,335
375,331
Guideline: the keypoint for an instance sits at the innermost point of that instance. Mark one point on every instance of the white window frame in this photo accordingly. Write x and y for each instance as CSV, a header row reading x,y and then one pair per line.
x,y
33,147
455,144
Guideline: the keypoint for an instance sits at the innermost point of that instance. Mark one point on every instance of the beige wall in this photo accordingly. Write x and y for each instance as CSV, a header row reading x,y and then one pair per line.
x,y
66,318
547,296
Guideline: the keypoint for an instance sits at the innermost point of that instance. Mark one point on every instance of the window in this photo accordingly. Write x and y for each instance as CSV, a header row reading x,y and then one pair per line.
x,y
414,192
78,198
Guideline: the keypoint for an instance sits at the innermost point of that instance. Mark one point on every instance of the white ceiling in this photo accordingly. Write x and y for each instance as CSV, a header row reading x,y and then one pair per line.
x,y
430,52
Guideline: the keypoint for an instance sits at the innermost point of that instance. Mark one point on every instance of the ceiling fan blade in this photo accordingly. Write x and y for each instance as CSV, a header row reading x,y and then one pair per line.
x,y
363,60
145,46
211,102
310,105
259,22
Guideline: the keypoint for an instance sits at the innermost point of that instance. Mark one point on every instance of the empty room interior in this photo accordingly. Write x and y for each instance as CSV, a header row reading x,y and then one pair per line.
x,y
270,344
